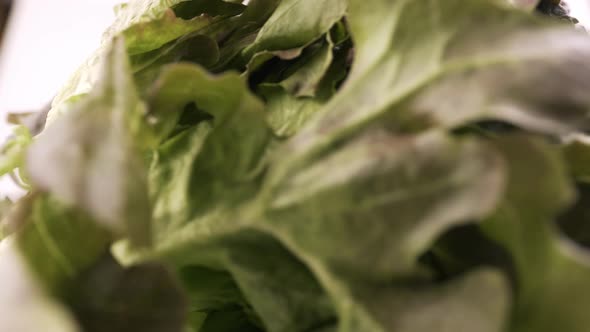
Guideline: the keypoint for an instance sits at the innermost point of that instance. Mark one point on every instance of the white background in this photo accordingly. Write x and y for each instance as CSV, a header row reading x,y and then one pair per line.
x,y
580,9
45,41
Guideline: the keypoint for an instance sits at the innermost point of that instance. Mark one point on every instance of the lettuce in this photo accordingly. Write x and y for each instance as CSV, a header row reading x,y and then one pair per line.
x,y
309,166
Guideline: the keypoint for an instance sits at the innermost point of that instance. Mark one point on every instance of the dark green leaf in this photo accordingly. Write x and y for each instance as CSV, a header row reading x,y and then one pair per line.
x,y
107,297
575,222
190,9
228,321
280,288
296,23
576,151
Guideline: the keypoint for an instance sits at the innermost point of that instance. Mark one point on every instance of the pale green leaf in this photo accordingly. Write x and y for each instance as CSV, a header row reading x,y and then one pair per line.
x,y
91,157
552,274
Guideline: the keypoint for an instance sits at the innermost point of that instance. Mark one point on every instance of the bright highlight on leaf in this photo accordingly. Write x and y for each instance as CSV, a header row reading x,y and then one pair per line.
x,y
309,166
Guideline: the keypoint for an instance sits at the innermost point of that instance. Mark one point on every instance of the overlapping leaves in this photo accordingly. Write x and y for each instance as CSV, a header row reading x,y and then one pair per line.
x,y
315,166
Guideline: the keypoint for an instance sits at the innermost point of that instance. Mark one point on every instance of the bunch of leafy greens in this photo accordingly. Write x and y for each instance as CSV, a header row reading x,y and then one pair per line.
x,y
309,166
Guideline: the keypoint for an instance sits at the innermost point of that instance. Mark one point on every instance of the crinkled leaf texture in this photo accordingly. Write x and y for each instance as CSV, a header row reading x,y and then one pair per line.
x,y
147,26
295,23
425,63
311,166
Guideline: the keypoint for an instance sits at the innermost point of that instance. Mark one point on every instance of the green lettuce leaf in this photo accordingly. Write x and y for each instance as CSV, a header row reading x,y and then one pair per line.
x,y
107,297
552,274
287,114
475,302
296,23
575,222
576,151
309,166
13,151
55,241
231,154
91,157
292,101
415,61
146,25
381,184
